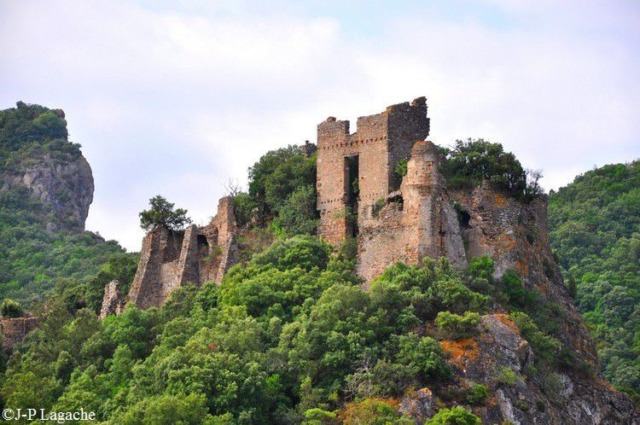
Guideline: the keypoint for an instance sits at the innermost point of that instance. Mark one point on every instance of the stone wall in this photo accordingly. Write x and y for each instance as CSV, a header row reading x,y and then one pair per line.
x,y
113,300
415,223
170,259
13,331
381,141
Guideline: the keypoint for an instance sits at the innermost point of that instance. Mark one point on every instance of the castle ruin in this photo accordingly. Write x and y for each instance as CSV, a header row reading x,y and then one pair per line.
x,y
362,193
380,185
14,330
169,259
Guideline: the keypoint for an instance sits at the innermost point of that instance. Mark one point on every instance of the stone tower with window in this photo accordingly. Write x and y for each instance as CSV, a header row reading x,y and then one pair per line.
x,y
357,170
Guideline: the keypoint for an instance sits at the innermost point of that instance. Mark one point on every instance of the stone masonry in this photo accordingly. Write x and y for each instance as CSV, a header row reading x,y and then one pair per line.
x,y
416,222
360,195
13,330
355,170
170,259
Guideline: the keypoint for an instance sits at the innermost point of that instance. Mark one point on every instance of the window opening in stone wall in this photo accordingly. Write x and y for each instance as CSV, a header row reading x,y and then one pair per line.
x,y
352,174
203,246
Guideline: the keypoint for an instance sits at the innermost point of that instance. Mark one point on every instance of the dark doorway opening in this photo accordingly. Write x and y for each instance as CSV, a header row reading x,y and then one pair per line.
x,y
352,180
203,246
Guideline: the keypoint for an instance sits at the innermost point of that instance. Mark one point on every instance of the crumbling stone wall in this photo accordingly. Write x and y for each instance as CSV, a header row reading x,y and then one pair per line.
x,y
415,223
113,300
170,259
381,141
14,330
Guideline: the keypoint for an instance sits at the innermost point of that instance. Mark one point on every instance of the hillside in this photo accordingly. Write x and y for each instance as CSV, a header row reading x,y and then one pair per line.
x,y
46,188
290,337
595,229
438,303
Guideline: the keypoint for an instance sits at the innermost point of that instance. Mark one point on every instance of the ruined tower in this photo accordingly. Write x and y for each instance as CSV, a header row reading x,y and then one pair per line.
x,y
170,259
356,170
360,194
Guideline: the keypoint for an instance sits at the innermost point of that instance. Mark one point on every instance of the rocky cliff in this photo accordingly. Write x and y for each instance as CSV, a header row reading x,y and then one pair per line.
x,y
37,159
65,189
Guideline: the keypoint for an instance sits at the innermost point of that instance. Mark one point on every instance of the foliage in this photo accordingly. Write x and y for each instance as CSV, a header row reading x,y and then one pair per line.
x,y
454,416
472,161
277,176
455,326
477,394
372,411
31,131
595,229
34,261
297,214
544,346
507,376
10,309
163,214
401,168
515,291
424,356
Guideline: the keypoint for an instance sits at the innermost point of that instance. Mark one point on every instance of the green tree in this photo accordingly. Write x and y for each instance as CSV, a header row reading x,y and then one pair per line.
x,y
454,416
163,214
10,309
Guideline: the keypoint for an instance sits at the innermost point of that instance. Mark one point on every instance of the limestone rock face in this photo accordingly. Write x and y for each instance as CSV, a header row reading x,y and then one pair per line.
x,y
418,407
533,398
515,236
64,187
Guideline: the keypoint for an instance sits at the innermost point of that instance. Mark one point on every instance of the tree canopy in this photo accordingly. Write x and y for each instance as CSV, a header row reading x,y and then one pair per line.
x,y
595,230
163,214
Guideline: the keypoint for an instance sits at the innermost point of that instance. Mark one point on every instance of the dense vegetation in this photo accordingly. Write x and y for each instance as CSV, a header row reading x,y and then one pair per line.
x,y
282,193
471,162
33,260
288,337
595,229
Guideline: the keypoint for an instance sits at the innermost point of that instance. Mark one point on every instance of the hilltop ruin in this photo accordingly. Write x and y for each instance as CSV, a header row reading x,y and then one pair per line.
x,y
380,185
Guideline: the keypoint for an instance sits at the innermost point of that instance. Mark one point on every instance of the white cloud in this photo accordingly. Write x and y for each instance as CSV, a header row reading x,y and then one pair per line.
x,y
179,100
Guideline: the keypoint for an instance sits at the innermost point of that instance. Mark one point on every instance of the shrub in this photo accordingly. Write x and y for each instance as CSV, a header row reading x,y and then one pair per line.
x,y
243,208
10,309
301,251
424,355
297,214
372,411
455,326
401,168
318,416
545,346
454,416
552,384
514,289
477,394
378,205
507,376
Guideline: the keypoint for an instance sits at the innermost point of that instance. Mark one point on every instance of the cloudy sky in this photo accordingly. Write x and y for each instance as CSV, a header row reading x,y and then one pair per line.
x,y
178,98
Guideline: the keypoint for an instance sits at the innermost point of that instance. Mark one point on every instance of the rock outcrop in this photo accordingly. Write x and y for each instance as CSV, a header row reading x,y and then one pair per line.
x,y
528,397
66,188
40,162
420,217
